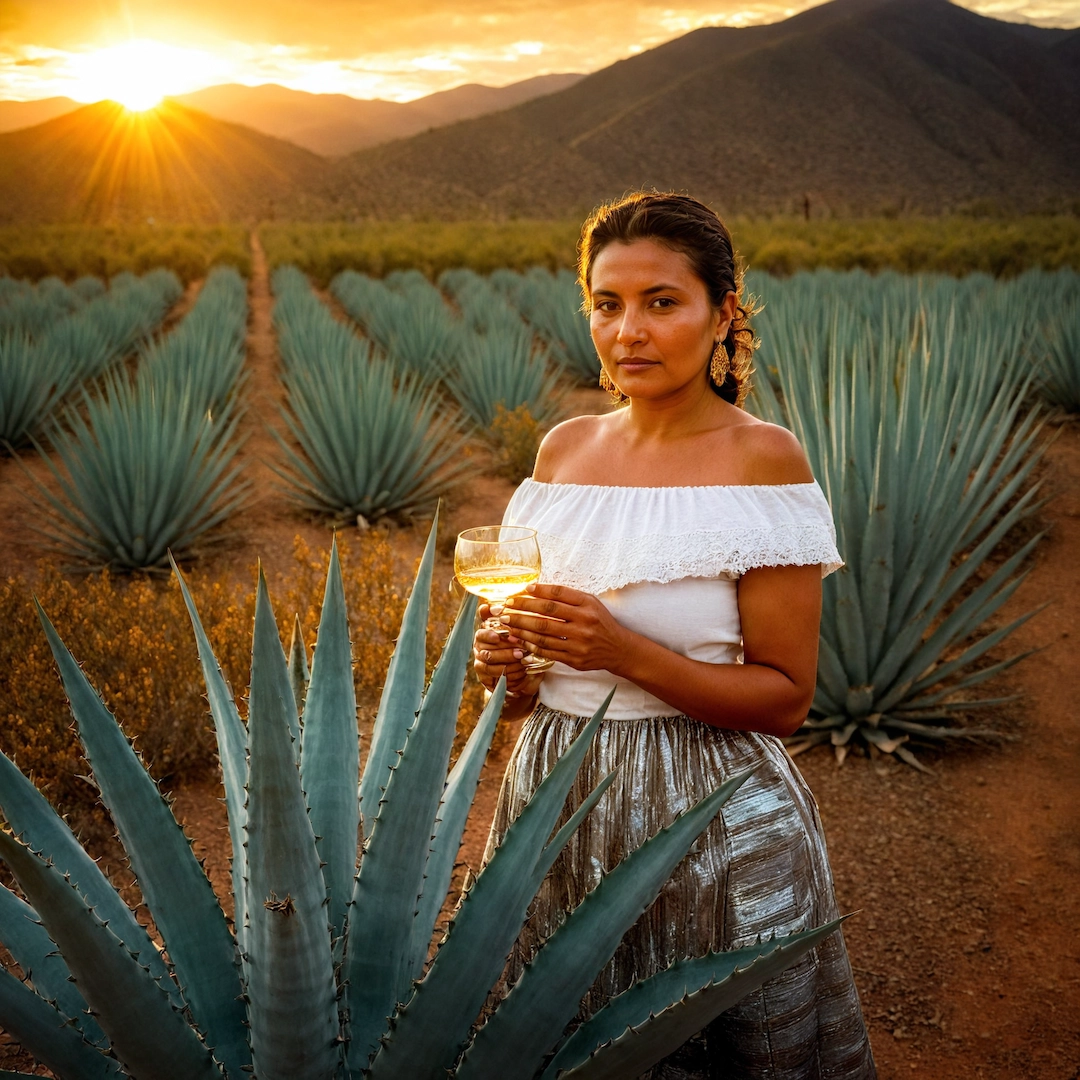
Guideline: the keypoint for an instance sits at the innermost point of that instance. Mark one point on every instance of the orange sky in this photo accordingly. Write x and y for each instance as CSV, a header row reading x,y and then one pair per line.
x,y
366,48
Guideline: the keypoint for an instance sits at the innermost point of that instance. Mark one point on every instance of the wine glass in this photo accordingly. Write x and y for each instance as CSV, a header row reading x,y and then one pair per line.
x,y
497,562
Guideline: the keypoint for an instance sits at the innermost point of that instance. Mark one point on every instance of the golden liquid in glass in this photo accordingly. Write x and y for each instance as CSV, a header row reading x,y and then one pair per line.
x,y
497,584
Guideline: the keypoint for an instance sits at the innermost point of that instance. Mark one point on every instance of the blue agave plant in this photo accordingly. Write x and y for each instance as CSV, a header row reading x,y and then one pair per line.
x,y
327,973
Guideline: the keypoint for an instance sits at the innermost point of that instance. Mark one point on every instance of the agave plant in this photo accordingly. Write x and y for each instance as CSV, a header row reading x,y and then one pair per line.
x,y
326,975
925,449
372,442
504,367
142,470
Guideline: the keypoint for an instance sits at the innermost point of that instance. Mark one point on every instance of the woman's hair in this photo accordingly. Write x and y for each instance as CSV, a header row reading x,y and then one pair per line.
x,y
690,227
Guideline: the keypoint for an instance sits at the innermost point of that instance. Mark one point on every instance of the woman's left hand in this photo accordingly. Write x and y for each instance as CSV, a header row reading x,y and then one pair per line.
x,y
566,625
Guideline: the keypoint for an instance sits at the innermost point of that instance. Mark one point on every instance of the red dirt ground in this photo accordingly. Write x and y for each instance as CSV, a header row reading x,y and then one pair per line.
x,y
965,879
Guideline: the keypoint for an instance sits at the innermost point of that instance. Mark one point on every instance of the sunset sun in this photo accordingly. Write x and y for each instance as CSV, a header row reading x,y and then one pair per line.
x,y
138,73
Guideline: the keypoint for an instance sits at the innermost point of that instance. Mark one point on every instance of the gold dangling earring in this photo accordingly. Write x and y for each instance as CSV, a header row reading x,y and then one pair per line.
x,y
609,386
719,365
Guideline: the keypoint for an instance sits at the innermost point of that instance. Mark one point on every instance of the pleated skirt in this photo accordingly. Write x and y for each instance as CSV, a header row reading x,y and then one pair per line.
x,y
760,868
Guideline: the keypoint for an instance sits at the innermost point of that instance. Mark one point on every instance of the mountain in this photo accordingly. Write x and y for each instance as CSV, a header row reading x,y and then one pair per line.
x,y
334,124
327,124
21,114
859,105
102,163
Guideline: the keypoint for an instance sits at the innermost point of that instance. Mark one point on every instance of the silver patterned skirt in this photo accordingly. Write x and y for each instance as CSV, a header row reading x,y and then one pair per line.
x,y
760,868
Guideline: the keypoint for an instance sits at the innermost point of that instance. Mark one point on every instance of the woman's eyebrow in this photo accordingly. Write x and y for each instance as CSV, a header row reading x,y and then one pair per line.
x,y
646,292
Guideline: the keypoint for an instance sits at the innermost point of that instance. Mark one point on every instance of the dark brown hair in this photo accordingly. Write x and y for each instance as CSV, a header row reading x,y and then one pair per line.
x,y
690,227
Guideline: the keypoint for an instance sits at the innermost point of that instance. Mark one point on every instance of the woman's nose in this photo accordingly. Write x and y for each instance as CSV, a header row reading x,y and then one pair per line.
x,y
631,329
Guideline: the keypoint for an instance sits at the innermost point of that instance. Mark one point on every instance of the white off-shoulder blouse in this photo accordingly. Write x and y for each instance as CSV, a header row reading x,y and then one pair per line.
x,y
666,561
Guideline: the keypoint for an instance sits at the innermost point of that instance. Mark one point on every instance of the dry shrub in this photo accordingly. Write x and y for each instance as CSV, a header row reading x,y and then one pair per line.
x,y
69,251
515,436
134,641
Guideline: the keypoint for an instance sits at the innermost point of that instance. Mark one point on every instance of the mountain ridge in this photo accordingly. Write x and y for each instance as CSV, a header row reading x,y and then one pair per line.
x,y
859,105
851,107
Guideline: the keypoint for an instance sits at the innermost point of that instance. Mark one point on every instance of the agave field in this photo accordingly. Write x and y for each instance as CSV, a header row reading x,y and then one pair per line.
x,y
925,404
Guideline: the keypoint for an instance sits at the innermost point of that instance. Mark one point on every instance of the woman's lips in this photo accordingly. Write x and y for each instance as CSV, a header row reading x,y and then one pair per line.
x,y
636,363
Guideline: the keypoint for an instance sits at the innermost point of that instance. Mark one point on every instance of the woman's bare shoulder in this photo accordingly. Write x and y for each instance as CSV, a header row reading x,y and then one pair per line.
x,y
564,441
772,455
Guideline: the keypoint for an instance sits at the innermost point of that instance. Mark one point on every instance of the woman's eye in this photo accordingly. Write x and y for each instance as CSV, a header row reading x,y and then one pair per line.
x,y
663,302
604,305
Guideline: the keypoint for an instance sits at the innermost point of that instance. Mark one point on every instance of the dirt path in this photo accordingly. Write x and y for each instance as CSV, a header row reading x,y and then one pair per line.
x,y
267,527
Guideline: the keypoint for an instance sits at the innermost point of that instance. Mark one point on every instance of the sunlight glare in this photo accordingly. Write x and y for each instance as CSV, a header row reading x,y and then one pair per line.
x,y
139,73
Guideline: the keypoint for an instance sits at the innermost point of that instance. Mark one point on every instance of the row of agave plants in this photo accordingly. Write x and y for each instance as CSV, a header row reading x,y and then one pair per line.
x,y
324,974
918,402
374,437
481,349
144,461
1036,313
55,338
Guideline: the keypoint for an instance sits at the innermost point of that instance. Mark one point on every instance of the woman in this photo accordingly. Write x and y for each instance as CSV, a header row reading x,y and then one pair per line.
x,y
683,544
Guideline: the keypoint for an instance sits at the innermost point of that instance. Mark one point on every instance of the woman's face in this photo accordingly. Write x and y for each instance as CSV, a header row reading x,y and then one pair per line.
x,y
652,322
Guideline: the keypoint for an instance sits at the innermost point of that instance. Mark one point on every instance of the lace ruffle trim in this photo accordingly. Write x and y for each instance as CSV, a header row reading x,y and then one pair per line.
x,y
597,566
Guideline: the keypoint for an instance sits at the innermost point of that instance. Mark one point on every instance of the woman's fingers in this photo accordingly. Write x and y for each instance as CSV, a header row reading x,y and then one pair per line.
x,y
561,593
551,646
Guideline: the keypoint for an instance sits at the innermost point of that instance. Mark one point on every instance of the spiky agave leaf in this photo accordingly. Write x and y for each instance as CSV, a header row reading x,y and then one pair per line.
x,y
330,755
232,755
288,966
406,317
33,820
146,1031
1060,369
379,956
49,1034
31,384
430,1030
42,966
372,444
656,1016
543,1001
552,303
173,884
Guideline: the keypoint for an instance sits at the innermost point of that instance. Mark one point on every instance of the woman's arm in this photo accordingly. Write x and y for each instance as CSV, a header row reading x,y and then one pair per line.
x,y
780,608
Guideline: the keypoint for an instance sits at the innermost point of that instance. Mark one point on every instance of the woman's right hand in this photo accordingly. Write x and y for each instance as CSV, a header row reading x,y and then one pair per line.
x,y
496,654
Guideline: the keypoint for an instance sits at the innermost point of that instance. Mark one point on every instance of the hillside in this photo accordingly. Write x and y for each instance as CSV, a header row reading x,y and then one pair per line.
x,y
862,105
23,114
335,124
102,163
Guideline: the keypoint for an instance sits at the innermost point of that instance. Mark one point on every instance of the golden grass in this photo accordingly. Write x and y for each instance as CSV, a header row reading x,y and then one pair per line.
x,y
134,640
